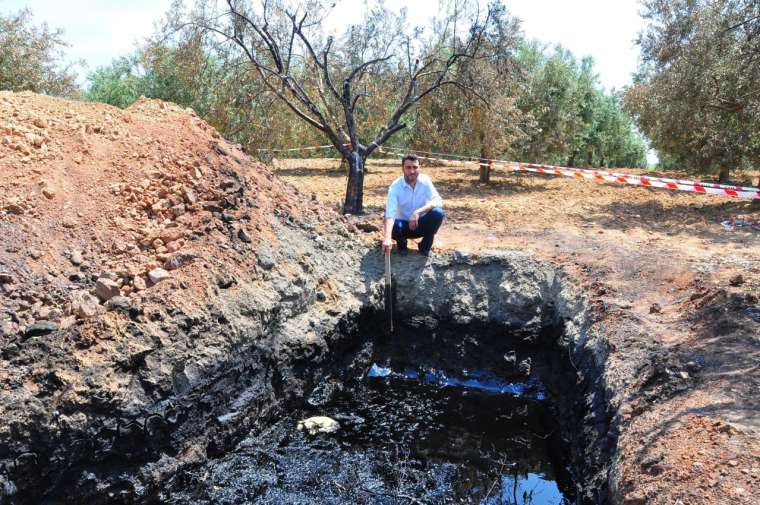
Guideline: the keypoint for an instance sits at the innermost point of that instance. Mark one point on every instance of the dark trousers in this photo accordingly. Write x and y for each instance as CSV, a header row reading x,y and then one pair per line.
x,y
427,227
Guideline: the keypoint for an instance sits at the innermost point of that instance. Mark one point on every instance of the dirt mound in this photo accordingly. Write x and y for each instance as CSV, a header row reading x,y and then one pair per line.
x,y
136,198
142,257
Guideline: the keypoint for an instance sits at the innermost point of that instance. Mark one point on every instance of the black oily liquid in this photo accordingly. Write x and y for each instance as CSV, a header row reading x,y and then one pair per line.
x,y
466,437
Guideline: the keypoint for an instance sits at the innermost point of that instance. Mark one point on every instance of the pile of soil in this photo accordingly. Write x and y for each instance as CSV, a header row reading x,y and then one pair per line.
x,y
142,258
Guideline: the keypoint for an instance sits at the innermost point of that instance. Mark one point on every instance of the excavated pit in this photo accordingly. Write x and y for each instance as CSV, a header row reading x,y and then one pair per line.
x,y
460,414
491,391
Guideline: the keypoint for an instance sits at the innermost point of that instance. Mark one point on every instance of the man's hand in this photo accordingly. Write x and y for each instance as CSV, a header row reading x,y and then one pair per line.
x,y
387,246
414,220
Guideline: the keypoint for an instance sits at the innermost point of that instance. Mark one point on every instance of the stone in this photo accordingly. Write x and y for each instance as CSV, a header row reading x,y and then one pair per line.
x,y
105,289
178,260
174,246
9,351
225,281
40,328
35,254
44,313
265,258
318,424
367,226
511,358
36,141
736,280
14,205
76,258
525,366
157,275
84,305
108,275
48,192
40,123
243,235
6,278
190,196
119,303
221,149
655,308
139,283
170,234
178,210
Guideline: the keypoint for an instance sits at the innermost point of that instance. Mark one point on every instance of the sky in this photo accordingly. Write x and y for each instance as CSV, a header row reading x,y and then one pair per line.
x,y
100,30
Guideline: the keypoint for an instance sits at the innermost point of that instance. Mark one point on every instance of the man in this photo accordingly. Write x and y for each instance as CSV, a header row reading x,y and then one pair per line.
x,y
414,209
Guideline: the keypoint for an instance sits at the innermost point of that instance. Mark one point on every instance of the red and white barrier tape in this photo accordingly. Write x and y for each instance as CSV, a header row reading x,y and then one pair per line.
x,y
605,176
583,173
614,174
296,149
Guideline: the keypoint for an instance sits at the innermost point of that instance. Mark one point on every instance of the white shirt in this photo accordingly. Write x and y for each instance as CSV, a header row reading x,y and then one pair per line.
x,y
403,200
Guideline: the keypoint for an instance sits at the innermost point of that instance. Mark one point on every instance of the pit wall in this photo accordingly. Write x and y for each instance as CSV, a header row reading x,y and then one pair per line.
x,y
526,296
266,342
511,290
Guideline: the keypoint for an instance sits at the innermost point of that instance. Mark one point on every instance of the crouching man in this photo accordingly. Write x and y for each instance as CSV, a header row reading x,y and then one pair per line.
x,y
414,209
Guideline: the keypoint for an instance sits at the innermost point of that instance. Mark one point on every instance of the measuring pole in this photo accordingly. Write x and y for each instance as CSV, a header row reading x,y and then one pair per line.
x,y
388,293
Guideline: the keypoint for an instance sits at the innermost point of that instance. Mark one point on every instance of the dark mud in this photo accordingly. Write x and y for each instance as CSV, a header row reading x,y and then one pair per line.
x,y
494,385
464,415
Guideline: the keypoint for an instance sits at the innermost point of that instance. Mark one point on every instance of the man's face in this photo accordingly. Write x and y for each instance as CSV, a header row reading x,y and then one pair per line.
x,y
411,171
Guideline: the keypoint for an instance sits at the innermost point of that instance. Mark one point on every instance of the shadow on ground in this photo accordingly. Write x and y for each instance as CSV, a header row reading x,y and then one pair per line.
x,y
686,217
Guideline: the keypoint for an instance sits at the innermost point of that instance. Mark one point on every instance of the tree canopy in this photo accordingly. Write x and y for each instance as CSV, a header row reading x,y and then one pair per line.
x,y
31,57
696,95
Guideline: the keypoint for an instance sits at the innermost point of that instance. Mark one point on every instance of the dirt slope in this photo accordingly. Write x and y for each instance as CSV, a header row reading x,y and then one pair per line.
x,y
142,258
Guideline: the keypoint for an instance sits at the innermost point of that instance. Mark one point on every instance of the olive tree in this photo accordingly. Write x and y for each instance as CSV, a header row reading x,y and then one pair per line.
x,y
323,79
696,96
31,57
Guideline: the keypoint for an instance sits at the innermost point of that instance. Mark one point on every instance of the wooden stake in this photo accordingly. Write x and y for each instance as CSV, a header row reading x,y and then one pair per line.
x,y
388,294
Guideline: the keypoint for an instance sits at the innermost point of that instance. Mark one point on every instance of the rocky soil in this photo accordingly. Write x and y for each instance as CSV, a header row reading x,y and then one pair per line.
x,y
162,296
146,263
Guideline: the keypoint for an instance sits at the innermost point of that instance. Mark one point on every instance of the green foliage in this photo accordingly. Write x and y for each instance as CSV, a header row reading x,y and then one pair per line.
x,y
31,57
117,85
695,95
524,101
576,121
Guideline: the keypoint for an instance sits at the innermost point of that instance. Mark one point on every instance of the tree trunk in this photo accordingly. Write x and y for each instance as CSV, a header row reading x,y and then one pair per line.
x,y
355,189
724,173
485,166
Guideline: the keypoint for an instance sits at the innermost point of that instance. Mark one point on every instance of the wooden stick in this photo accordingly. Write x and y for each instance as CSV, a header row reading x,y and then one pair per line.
x,y
388,293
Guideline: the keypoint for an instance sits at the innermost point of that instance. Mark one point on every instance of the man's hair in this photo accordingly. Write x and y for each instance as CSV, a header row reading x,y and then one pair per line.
x,y
409,157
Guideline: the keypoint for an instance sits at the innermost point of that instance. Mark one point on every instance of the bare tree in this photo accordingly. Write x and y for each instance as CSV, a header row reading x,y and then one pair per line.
x,y
324,80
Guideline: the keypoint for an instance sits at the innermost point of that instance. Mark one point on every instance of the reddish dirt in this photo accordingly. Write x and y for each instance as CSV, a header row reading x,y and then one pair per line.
x,y
89,190
659,256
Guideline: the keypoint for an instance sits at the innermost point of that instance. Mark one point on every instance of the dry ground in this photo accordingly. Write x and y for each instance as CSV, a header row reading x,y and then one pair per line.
x,y
661,256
